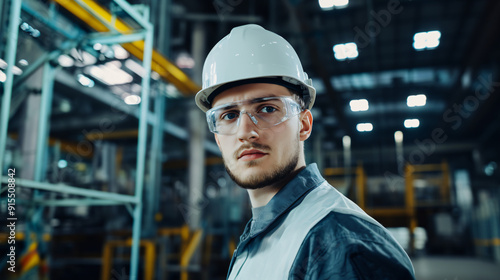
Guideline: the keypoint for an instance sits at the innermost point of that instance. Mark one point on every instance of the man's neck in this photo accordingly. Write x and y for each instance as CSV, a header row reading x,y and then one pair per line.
x,y
262,196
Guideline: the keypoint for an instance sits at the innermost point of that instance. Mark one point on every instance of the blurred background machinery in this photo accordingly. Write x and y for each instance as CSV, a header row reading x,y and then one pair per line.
x,y
117,177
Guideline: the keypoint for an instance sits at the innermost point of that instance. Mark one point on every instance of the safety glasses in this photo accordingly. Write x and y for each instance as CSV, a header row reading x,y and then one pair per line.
x,y
264,112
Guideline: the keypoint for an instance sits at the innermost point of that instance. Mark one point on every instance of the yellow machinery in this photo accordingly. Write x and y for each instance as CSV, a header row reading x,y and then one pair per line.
x,y
433,174
190,242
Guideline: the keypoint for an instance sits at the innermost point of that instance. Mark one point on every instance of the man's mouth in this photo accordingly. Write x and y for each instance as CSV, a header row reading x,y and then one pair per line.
x,y
251,154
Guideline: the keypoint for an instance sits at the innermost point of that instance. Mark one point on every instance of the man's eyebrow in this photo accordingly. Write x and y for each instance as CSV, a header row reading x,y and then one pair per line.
x,y
261,99
258,100
249,101
228,106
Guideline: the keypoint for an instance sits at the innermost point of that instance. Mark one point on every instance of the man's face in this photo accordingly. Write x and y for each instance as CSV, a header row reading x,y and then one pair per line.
x,y
255,158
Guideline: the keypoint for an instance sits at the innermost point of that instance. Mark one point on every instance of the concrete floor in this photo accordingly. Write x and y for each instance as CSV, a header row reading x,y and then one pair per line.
x,y
455,268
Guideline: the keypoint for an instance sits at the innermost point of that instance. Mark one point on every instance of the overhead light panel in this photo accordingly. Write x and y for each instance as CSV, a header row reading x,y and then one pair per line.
x,y
82,58
346,141
184,60
65,60
398,136
3,64
330,4
97,46
412,123
3,77
345,51
135,67
364,127
110,74
23,62
132,99
120,53
85,81
426,40
416,100
359,105
15,70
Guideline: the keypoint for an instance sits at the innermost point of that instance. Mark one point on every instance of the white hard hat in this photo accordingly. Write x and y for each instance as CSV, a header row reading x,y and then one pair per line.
x,y
252,54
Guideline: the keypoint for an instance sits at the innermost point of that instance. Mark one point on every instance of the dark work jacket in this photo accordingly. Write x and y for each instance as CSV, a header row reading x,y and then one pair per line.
x,y
311,231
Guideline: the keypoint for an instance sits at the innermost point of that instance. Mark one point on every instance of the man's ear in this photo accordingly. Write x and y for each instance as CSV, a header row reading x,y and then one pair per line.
x,y
217,140
306,123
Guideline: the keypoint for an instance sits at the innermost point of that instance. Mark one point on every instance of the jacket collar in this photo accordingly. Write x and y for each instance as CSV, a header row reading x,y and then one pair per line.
x,y
286,199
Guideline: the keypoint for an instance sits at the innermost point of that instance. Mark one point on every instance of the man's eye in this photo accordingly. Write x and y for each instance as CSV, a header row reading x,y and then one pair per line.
x,y
228,116
268,109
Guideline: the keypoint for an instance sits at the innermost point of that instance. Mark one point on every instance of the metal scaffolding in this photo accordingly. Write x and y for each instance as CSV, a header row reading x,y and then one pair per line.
x,y
91,197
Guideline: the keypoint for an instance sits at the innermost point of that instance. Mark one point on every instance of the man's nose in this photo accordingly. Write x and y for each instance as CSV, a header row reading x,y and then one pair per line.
x,y
247,128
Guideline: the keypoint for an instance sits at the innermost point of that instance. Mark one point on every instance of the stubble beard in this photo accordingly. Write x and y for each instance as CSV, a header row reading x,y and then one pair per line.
x,y
271,178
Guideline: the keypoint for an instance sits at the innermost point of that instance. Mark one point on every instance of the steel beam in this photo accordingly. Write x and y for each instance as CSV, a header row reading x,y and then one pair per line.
x,y
74,34
77,202
141,149
143,20
113,38
73,190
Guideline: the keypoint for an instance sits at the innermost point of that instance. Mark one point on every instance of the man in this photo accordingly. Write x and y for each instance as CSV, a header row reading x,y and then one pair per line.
x,y
257,99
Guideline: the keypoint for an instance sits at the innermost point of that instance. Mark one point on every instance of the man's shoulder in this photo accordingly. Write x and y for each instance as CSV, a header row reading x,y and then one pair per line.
x,y
348,246
346,226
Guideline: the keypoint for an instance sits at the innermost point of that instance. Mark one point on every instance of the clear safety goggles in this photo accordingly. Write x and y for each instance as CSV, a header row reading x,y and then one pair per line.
x,y
264,112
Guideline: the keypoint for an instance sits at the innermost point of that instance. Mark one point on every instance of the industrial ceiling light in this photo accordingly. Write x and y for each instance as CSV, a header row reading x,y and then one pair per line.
x,y
398,136
345,51
23,62
135,67
97,46
120,53
3,77
412,123
85,81
359,105
364,127
416,100
330,4
15,70
346,141
110,73
426,40
62,163
65,60
132,99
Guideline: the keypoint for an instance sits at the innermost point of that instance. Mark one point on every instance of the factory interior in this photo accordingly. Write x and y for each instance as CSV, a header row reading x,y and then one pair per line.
x,y
115,173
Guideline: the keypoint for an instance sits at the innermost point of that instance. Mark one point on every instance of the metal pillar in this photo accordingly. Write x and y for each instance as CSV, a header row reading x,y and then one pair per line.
x,y
155,158
43,121
197,138
15,13
196,168
28,135
141,149
164,32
